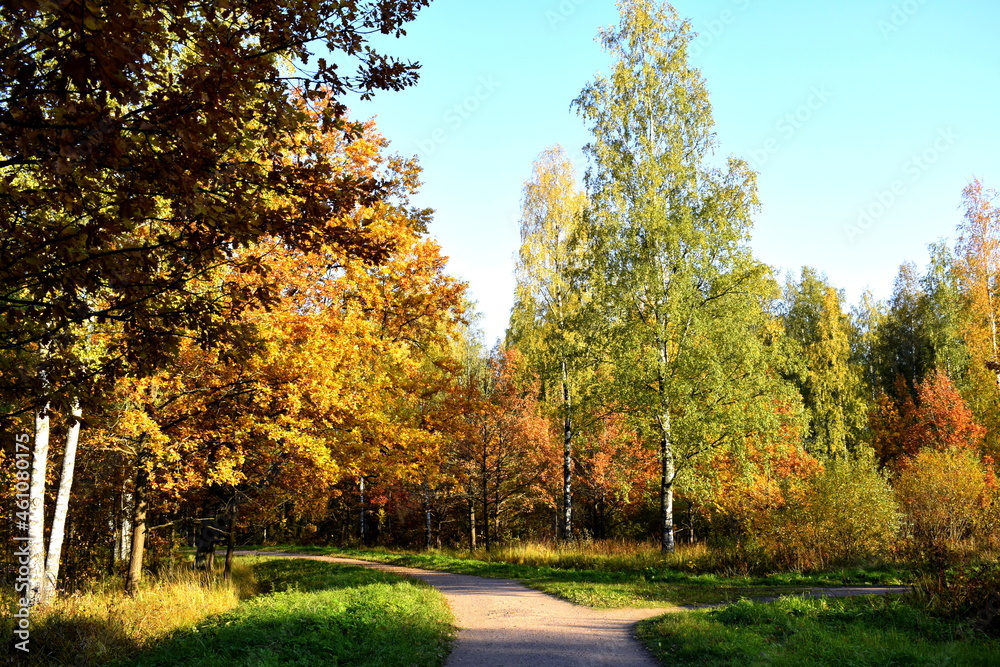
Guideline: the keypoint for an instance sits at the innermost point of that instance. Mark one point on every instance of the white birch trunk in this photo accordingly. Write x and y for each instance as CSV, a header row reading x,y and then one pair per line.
x,y
36,510
62,505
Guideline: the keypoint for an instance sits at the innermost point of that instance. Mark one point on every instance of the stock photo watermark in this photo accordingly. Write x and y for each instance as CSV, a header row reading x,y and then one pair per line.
x,y
913,170
22,554
457,115
900,16
716,27
790,124
563,12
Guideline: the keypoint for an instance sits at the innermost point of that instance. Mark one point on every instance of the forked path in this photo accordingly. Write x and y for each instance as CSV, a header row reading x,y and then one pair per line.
x,y
503,623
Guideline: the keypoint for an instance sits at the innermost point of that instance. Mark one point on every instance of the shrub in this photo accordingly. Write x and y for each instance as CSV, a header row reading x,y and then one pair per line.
x,y
946,498
845,515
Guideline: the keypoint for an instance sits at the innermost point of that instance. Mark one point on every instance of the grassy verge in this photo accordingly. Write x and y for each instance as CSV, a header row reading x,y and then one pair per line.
x,y
796,631
617,579
317,614
100,623
275,612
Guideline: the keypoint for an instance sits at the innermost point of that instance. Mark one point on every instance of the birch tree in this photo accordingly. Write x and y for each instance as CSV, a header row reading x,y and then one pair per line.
x,y
545,319
978,268
36,508
680,296
829,381
61,510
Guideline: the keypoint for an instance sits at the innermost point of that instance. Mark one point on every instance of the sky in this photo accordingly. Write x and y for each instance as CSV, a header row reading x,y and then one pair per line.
x,y
864,118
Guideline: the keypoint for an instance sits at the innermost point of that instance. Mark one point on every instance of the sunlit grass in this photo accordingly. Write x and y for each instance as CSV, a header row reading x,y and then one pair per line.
x,y
101,623
612,574
800,632
318,614
274,612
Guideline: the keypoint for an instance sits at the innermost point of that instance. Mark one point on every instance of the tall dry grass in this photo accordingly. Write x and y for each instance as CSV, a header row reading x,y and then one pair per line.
x,y
601,555
101,624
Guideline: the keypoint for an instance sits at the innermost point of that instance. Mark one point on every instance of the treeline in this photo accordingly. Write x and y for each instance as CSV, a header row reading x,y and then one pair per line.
x,y
222,278
784,425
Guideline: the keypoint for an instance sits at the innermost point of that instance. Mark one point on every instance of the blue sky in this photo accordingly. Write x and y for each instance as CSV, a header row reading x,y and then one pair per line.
x,y
865,119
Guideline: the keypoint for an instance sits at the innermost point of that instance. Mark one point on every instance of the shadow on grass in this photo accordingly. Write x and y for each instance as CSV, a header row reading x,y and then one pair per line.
x,y
63,640
317,614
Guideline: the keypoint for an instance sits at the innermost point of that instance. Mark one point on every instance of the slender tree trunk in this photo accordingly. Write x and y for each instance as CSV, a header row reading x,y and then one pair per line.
x,y
428,526
62,505
993,325
472,524
36,508
227,572
667,465
134,576
362,528
485,470
487,536
567,518
667,474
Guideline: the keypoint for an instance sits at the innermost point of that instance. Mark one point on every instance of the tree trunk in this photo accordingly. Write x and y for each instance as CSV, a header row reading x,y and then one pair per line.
x,y
62,505
667,473
134,576
362,528
36,509
472,525
428,526
487,536
567,518
667,465
227,573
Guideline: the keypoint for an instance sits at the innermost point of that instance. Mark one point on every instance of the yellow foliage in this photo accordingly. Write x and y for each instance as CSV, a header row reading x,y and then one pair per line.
x,y
843,515
945,494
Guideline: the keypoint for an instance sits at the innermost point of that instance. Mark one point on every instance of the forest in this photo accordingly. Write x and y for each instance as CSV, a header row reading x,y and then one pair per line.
x,y
224,322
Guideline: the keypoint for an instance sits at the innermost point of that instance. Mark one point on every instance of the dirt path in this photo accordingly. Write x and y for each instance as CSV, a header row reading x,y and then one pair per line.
x,y
503,623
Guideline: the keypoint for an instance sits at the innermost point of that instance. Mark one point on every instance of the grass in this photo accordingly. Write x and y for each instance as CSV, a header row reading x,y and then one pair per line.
x,y
797,631
317,614
99,623
612,575
276,612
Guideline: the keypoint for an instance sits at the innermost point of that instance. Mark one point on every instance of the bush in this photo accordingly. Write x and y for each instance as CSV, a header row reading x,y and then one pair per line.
x,y
970,592
845,515
946,498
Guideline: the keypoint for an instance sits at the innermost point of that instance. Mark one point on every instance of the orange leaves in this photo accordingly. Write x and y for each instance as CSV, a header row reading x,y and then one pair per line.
x,y
938,419
615,465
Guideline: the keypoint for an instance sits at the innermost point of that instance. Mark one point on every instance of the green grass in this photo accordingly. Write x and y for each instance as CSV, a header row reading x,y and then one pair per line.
x,y
317,614
617,580
796,631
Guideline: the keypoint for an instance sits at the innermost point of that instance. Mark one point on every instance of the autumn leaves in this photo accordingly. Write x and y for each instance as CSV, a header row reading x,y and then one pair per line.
x,y
181,206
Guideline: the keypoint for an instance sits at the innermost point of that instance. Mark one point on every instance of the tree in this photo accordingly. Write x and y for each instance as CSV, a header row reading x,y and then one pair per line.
x,y
943,314
509,456
978,268
548,302
616,472
937,419
830,384
680,295
867,319
140,147
904,348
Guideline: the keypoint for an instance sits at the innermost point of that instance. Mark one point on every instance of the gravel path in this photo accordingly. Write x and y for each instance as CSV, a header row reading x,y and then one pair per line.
x,y
503,623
